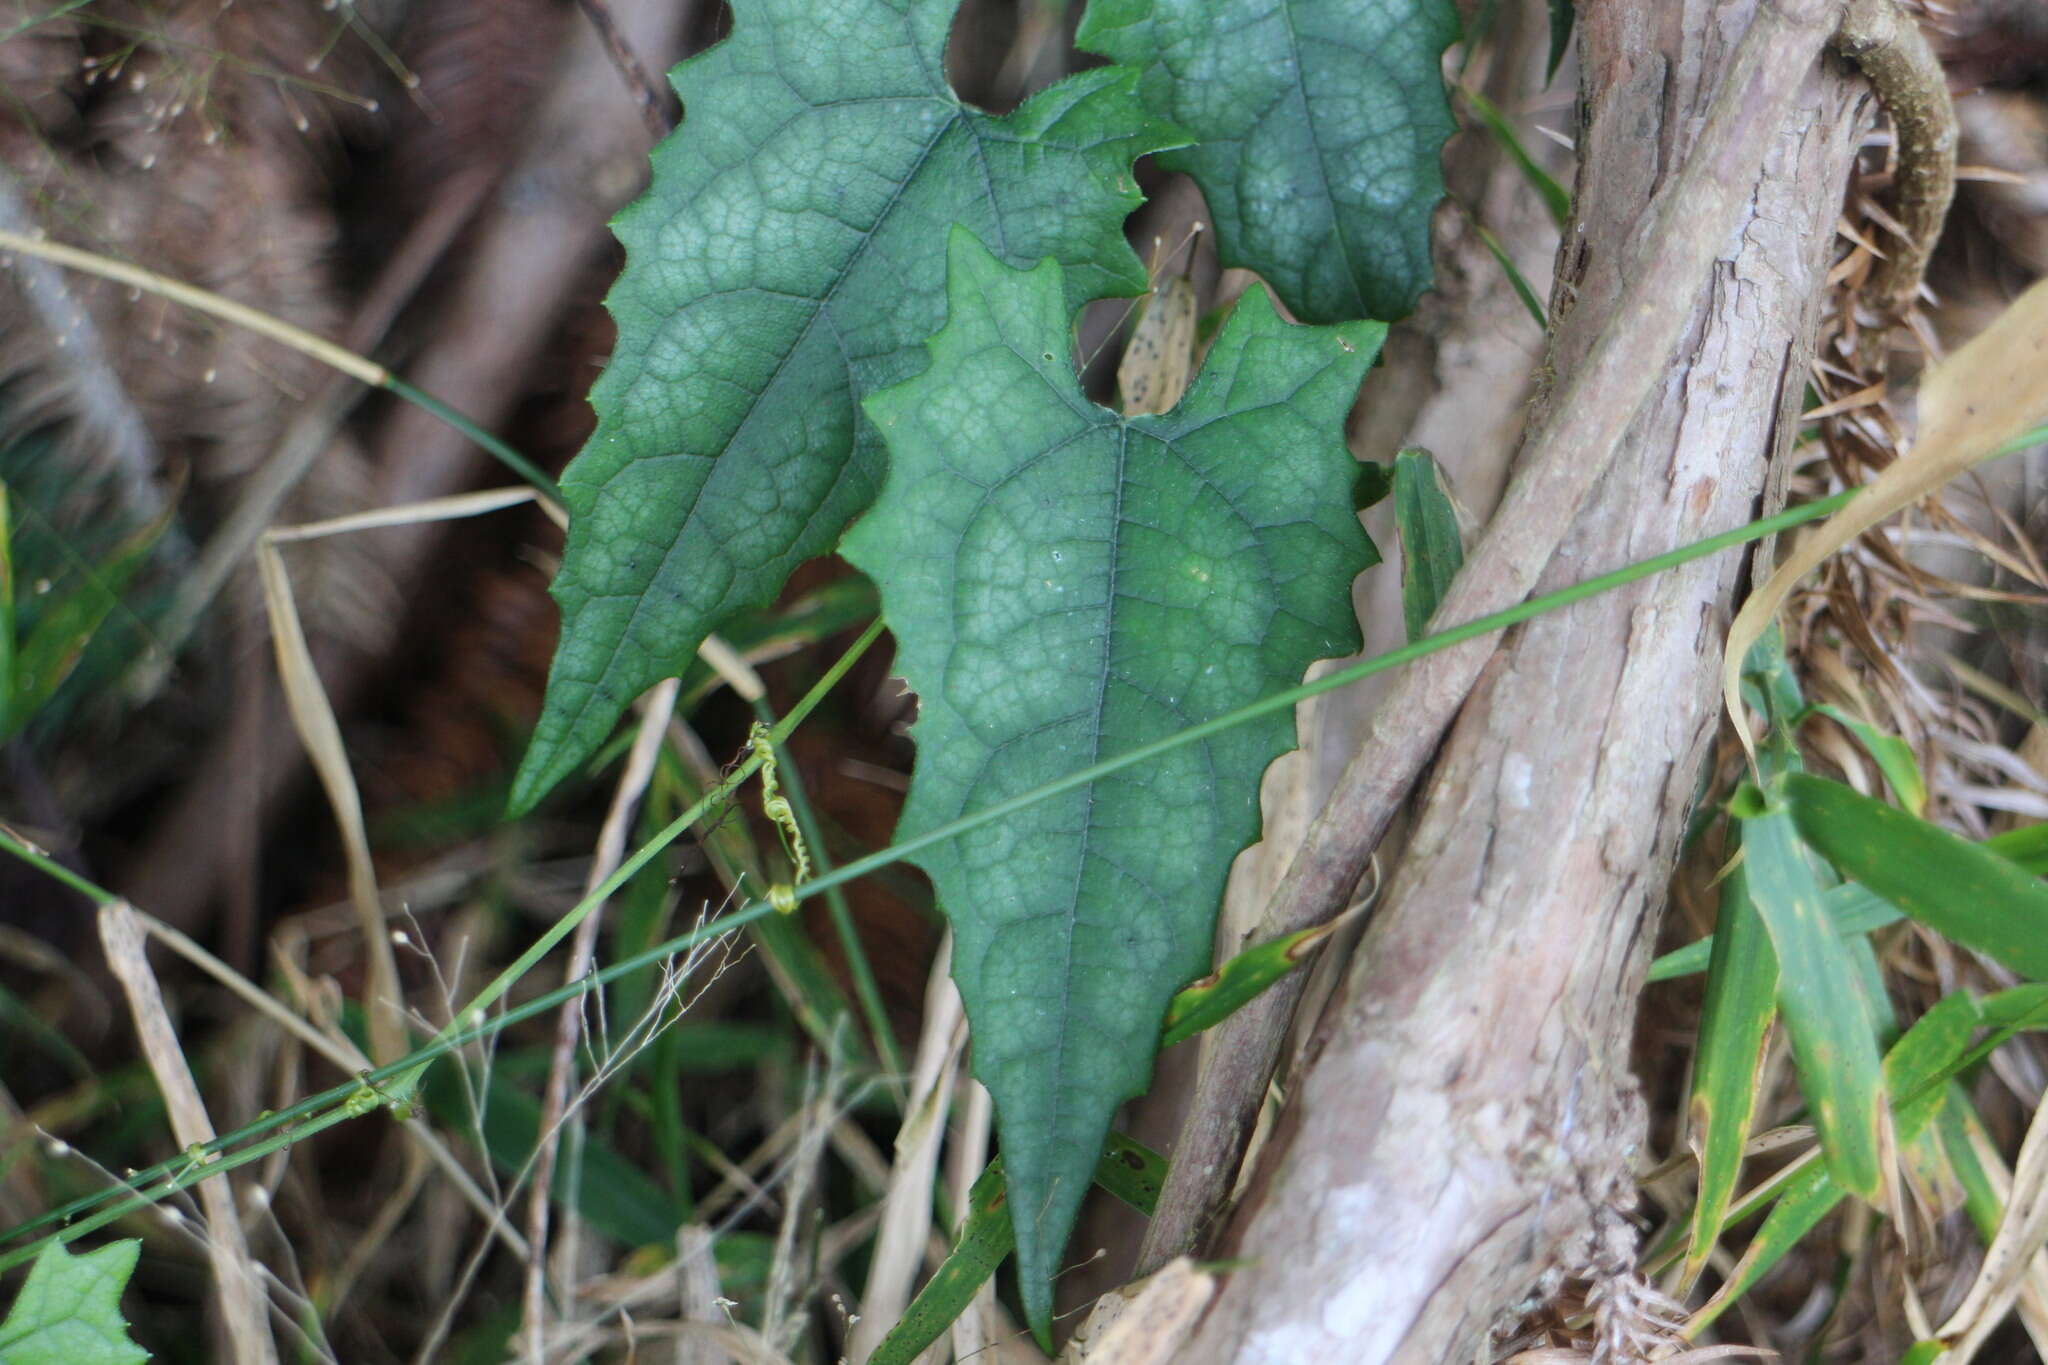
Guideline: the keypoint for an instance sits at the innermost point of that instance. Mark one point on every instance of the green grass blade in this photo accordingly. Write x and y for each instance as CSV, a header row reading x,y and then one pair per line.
x,y
44,658
1832,1042
1555,197
1852,907
1921,1062
613,1196
985,1239
1516,280
1856,909
8,708
1431,548
1916,1069
1893,756
1810,1196
1964,890
1742,985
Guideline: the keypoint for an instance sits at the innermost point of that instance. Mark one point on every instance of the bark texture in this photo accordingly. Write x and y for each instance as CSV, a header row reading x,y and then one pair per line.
x,y
1465,1125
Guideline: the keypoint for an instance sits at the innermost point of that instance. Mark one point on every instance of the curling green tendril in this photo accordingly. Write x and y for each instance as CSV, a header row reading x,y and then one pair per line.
x,y
774,805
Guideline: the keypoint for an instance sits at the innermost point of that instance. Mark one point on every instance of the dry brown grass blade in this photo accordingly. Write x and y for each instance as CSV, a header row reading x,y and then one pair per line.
x,y
907,1206
657,707
313,717
698,1298
1982,396
980,1327
2014,1266
205,301
242,1300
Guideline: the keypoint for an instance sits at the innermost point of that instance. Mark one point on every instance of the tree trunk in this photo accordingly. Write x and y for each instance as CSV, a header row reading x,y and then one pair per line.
x,y
1464,1127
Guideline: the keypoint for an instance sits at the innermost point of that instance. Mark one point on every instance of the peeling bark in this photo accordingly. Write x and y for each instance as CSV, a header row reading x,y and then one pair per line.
x,y
1465,1125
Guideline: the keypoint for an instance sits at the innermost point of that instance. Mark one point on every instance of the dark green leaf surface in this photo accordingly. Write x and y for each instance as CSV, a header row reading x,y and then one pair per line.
x,y
1318,127
787,261
1066,584
69,1310
1958,888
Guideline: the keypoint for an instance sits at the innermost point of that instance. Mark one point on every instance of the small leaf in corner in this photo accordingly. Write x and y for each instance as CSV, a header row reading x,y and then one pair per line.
x,y
69,1310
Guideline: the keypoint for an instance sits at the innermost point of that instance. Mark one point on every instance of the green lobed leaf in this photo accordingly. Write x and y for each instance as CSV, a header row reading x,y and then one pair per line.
x,y
785,262
1964,890
69,1310
1066,584
1319,125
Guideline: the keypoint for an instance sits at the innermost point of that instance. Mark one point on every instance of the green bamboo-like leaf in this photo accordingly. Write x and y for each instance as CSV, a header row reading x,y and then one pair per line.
x,y
1856,909
788,260
1851,908
1129,1170
1912,1068
1893,756
1921,1063
1318,127
1809,1197
69,1310
1431,548
1964,890
1741,998
1832,1039
1066,584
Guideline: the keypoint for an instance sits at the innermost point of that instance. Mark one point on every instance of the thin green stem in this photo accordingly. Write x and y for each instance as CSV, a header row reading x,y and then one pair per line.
x,y
505,454
44,863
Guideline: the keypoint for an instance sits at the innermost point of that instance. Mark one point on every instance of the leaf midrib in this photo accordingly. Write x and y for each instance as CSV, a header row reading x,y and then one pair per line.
x,y
1322,171
642,600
